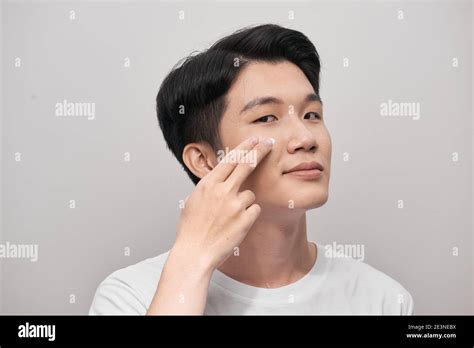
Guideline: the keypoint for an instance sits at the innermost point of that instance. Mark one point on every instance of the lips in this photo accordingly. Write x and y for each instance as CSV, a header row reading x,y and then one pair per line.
x,y
305,166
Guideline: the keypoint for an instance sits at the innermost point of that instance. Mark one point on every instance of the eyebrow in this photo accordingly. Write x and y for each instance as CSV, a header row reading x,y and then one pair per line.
x,y
273,100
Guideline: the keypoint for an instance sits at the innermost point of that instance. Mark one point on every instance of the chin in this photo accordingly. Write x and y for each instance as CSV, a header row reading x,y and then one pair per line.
x,y
311,200
286,194
319,202
302,199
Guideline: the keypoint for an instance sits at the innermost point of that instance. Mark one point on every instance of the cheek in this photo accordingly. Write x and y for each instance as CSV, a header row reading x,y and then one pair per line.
x,y
325,144
230,132
232,139
264,177
325,151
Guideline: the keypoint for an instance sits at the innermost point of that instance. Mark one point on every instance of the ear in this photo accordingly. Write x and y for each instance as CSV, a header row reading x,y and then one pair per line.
x,y
199,158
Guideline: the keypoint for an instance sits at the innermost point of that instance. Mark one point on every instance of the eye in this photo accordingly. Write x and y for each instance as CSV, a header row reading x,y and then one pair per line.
x,y
315,115
264,119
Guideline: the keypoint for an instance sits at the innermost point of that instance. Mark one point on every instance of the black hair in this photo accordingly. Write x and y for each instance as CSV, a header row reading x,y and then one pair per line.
x,y
191,100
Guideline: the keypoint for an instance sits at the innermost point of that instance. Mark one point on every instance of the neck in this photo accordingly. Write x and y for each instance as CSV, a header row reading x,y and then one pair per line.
x,y
275,252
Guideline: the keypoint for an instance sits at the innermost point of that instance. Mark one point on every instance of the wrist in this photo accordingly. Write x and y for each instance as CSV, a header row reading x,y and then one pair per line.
x,y
195,262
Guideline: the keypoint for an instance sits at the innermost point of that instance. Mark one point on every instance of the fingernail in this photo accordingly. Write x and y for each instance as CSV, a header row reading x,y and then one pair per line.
x,y
253,140
270,141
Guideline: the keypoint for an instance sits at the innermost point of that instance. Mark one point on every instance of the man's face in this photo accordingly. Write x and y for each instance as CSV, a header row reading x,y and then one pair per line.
x,y
291,118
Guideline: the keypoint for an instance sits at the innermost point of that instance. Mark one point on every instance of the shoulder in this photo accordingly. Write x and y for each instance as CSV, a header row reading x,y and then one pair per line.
x,y
377,291
129,290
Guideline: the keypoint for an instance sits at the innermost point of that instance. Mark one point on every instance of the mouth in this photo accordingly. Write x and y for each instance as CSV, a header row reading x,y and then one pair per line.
x,y
306,170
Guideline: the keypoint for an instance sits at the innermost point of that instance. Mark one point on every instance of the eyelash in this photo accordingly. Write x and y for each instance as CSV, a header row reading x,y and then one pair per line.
x,y
318,116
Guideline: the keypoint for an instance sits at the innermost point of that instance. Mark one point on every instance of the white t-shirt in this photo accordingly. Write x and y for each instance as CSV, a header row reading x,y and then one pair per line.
x,y
335,285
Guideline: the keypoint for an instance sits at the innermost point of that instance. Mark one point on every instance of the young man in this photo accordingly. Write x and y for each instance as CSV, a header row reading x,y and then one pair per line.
x,y
242,245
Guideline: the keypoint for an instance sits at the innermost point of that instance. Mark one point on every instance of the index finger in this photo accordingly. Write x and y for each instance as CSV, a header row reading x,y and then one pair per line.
x,y
249,163
226,166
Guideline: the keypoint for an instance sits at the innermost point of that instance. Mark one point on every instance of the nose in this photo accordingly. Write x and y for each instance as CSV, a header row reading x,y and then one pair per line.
x,y
300,137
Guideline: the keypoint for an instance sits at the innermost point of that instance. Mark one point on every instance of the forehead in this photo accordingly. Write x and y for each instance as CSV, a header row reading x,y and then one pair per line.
x,y
283,80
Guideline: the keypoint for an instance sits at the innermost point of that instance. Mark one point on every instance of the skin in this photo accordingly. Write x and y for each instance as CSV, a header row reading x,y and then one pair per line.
x,y
270,226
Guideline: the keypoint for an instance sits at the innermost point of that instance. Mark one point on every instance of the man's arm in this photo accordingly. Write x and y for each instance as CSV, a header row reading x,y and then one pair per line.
x,y
216,218
183,285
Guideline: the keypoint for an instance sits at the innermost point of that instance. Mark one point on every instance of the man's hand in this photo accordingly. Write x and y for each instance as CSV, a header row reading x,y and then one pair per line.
x,y
216,218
